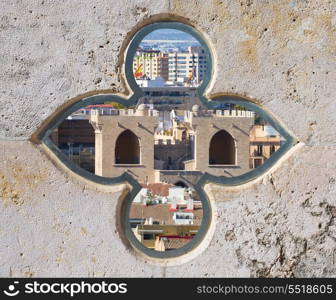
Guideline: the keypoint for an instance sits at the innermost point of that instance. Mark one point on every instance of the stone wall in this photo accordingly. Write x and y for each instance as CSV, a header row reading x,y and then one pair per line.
x,y
280,53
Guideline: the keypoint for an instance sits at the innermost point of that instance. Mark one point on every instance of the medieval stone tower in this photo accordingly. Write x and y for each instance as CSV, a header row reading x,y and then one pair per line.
x,y
125,143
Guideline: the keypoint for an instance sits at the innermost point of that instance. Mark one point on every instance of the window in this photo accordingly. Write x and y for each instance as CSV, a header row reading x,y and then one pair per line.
x,y
127,149
222,149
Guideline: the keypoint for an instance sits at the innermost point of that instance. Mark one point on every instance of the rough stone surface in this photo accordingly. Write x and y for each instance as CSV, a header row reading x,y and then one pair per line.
x,y
282,53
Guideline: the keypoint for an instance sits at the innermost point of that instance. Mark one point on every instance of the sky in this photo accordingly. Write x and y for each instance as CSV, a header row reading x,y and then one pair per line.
x,y
169,34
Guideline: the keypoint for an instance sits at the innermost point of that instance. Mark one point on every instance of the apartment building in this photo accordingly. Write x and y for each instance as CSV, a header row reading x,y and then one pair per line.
x,y
150,64
187,67
264,141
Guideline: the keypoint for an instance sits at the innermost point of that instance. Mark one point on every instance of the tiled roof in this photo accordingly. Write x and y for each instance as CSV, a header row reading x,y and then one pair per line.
x,y
99,106
160,189
160,213
175,243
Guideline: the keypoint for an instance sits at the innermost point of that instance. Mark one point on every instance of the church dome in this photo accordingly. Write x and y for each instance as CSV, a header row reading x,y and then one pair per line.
x,y
142,107
195,108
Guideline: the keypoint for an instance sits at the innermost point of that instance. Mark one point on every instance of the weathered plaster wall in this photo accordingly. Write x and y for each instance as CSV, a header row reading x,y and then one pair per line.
x,y
281,53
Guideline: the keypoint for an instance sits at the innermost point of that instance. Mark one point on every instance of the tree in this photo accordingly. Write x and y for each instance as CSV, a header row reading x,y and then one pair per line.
x,y
239,107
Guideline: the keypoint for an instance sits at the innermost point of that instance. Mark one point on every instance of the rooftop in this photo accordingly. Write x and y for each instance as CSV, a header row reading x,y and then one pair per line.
x,y
160,189
159,212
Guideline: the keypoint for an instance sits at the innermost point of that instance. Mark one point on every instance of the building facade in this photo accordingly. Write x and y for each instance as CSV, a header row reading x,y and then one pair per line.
x,y
178,68
150,64
187,67
264,141
134,141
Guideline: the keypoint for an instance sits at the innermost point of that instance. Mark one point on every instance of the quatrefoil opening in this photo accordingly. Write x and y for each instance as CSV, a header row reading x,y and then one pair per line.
x,y
167,140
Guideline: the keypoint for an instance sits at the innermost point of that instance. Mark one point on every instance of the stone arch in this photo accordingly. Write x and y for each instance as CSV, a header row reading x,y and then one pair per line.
x,y
127,148
181,183
222,149
272,149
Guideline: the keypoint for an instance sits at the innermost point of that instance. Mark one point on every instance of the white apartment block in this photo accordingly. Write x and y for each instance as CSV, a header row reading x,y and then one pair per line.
x,y
187,67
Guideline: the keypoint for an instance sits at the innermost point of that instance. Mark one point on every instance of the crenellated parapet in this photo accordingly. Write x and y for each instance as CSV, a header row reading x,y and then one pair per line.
x,y
125,112
219,113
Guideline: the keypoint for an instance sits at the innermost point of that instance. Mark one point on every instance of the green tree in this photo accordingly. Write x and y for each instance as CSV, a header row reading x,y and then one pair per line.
x,y
239,107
